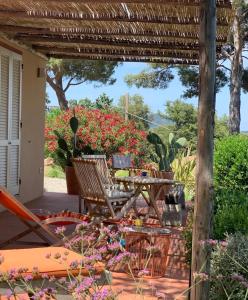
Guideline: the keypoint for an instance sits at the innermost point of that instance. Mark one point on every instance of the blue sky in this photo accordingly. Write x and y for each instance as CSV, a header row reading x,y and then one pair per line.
x,y
155,99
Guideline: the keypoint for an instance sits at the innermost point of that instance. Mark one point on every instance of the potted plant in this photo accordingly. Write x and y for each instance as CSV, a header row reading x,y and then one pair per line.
x,y
165,155
65,153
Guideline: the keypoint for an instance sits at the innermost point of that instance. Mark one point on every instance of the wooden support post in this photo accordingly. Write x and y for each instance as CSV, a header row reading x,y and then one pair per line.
x,y
204,181
126,106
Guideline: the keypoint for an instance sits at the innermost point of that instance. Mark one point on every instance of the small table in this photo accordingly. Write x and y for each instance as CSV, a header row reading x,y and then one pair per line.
x,y
149,247
146,183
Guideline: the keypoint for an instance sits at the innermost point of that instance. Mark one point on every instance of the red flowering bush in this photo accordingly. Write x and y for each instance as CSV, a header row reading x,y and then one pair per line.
x,y
99,132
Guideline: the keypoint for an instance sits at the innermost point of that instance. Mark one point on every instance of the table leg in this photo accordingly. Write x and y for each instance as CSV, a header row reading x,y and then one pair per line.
x,y
153,203
137,192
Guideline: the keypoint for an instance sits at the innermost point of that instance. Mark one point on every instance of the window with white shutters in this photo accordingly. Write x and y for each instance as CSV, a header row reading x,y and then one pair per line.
x,y
10,99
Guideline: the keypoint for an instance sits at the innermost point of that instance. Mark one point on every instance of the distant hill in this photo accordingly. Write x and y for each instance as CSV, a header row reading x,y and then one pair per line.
x,y
159,121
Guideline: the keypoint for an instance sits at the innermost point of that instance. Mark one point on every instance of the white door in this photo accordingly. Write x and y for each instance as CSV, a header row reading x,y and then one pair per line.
x,y
10,97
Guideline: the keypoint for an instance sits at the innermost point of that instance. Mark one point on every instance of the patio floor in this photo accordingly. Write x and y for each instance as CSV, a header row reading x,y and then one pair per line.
x,y
177,273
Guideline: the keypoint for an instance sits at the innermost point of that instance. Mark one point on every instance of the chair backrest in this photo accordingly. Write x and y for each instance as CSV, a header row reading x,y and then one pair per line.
x,y
15,206
120,161
89,179
102,167
18,209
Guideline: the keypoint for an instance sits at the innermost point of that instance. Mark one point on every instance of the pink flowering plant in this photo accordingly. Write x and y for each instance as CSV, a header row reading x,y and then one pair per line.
x,y
100,248
228,276
99,131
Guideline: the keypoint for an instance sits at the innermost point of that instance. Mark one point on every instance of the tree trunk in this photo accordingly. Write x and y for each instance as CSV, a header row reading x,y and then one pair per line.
x,y
57,86
204,181
236,75
63,103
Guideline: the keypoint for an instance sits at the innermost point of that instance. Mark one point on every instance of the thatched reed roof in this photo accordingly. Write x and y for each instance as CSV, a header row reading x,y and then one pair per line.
x,y
136,30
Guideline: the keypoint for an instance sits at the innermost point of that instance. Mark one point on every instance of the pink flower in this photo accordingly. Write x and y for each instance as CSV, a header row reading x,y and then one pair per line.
x,y
28,278
48,255
143,272
212,242
60,230
224,244
201,276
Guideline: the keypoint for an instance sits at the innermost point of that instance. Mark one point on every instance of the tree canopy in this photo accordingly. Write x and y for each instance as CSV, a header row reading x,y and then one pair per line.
x,y
64,73
184,122
103,102
155,76
137,109
189,77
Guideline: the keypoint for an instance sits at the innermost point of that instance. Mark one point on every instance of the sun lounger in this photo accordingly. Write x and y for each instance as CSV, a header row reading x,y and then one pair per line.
x,y
34,223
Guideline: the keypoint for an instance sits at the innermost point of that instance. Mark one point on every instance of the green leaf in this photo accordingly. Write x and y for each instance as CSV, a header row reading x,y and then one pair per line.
x,y
171,137
153,138
182,141
58,135
74,124
77,152
62,144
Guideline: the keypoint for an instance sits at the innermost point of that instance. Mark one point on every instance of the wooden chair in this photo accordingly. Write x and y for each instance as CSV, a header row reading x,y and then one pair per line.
x,y
104,172
98,199
33,222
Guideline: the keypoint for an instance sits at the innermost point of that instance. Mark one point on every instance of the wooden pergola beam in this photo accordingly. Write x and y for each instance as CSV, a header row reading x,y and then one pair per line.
x,y
128,59
93,32
203,209
220,3
104,18
108,43
111,53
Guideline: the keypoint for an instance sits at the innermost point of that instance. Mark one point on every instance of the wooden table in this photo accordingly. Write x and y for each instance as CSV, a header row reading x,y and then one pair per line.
x,y
144,184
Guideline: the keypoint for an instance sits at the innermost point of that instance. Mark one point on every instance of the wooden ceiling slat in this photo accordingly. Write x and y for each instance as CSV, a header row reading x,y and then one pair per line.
x,y
219,3
80,31
129,59
108,42
99,51
104,18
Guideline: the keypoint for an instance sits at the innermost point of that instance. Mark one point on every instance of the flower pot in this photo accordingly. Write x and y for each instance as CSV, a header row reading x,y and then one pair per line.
x,y
71,181
164,175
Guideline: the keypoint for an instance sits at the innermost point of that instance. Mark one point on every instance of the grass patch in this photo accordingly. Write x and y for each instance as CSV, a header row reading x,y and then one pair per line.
x,y
54,172
122,173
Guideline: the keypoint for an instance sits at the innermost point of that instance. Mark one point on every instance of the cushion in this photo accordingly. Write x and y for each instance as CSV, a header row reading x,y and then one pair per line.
x,y
36,257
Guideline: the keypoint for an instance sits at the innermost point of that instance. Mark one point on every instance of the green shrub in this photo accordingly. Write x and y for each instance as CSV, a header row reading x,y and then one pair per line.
x,y
184,169
187,235
54,172
231,213
228,266
231,163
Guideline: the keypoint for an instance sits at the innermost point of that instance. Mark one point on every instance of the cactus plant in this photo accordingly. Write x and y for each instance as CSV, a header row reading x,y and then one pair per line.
x,y
64,153
165,154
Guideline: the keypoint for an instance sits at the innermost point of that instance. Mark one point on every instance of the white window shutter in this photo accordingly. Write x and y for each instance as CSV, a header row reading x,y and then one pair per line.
x,y
14,127
3,165
15,122
4,107
4,96
10,99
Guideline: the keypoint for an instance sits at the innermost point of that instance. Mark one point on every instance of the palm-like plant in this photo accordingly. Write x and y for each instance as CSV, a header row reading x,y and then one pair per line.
x,y
165,153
